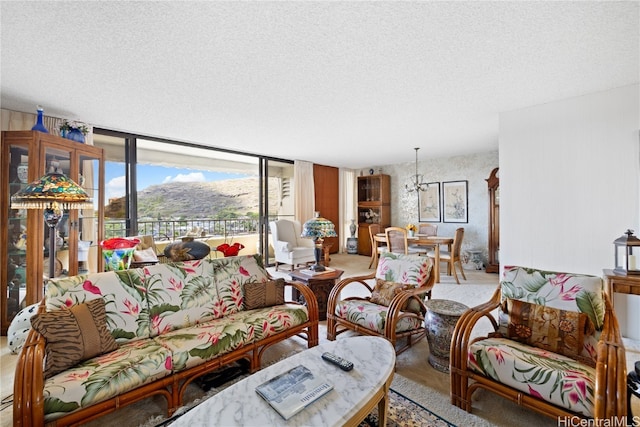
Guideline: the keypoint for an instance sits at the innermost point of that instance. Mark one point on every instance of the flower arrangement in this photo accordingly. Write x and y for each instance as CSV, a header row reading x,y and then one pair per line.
x,y
411,227
66,126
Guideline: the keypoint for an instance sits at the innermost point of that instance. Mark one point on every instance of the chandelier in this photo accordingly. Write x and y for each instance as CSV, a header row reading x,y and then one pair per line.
x,y
417,183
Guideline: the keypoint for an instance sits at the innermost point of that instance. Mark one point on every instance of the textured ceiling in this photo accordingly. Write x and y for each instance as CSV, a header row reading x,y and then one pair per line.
x,y
352,84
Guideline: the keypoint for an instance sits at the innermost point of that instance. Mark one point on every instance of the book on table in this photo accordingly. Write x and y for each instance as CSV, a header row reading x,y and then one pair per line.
x,y
293,390
309,272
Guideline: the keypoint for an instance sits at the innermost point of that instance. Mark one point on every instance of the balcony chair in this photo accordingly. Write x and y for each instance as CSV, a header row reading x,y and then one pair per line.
x,y
393,307
289,247
452,258
556,347
376,247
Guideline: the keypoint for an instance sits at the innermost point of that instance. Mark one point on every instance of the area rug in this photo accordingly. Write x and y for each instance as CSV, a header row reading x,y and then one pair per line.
x,y
403,412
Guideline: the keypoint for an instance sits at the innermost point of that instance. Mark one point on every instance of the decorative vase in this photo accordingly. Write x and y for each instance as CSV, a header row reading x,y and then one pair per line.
x,y
23,172
39,126
75,134
352,228
410,233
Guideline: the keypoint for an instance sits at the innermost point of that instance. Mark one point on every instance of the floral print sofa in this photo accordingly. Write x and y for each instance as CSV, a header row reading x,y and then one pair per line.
x,y
556,348
171,323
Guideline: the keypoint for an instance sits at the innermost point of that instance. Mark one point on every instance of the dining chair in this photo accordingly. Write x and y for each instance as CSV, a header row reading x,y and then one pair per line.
x,y
398,242
426,230
376,247
452,258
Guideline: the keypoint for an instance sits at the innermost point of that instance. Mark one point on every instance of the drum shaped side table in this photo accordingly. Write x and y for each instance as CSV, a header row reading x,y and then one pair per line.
x,y
440,322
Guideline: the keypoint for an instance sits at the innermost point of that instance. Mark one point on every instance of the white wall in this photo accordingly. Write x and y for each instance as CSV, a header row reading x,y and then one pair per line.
x,y
569,183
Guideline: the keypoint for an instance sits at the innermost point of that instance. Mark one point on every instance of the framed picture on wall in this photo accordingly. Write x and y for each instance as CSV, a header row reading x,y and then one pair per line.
x,y
455,201
429,203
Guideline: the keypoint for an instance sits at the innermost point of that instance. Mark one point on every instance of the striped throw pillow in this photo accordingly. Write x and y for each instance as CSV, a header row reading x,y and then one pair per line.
x,y
73,335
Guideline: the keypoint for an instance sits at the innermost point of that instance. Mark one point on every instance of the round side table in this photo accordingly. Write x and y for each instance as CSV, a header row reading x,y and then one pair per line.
x,y
440,321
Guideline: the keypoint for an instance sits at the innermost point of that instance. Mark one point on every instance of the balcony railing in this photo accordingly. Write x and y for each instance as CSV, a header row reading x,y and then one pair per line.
x,y
172,229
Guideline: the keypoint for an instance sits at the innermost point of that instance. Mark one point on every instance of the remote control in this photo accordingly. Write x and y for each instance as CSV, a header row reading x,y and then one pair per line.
x,y
341,363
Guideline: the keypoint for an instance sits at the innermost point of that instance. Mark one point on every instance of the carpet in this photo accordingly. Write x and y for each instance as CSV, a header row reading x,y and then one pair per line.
x,y
403,412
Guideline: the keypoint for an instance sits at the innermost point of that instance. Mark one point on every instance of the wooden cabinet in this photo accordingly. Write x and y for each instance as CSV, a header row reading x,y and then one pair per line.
x,y
26,156
493,261
374,207
327,189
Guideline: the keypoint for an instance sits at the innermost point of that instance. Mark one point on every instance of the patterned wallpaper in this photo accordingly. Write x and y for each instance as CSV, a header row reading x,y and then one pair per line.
x,y
474,168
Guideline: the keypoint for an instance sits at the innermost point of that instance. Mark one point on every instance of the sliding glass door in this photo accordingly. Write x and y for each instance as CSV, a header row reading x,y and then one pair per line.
x,y
170,190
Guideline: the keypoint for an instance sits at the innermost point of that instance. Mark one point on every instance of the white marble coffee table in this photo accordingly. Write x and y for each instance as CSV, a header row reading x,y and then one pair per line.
x,y
354,396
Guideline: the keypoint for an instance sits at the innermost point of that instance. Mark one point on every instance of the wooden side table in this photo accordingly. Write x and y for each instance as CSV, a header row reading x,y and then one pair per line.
x,y
320,284
629,284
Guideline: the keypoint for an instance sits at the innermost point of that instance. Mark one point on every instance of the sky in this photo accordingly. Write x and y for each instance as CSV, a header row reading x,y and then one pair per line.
x,y
151,175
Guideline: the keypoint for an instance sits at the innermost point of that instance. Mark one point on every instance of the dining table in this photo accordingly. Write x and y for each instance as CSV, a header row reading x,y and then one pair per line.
x,y
423,239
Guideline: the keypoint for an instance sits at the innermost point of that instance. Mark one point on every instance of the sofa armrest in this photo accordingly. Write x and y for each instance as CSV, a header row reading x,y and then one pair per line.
x,y
611,369
28,385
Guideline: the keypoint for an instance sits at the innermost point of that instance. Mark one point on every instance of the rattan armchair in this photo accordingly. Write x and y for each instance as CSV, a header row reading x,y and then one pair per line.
x,y
517,364
392,305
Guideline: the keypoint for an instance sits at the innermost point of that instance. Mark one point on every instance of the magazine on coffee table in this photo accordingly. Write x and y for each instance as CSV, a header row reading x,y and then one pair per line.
x,y
292,391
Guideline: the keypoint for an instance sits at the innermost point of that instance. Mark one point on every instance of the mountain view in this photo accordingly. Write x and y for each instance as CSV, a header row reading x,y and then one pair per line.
x,y
190,200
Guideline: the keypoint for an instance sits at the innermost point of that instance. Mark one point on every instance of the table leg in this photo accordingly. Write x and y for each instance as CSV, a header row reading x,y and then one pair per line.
x,y
436,267
383,407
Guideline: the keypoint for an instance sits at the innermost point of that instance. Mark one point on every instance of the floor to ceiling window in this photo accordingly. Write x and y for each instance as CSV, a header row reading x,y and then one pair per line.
x,y
169,190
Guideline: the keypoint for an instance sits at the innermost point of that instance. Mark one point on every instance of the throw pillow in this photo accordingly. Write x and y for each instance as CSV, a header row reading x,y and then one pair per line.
x,y
73,335
263,294
384,292
548,328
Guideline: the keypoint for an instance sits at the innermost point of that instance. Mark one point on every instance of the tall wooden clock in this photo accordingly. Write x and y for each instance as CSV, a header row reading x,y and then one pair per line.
x,y
493,260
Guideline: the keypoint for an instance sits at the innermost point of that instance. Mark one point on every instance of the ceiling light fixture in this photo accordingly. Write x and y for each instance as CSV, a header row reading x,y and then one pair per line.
x,y
417,183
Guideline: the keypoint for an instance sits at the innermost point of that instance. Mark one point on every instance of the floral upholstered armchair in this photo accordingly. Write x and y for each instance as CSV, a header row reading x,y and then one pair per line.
x,y
392,308
556,347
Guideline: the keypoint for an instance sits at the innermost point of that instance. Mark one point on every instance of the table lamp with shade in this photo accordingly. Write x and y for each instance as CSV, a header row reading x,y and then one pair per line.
x,y
53,192
317,228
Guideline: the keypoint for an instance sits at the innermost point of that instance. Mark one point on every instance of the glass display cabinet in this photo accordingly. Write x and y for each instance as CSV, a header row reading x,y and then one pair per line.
x,y
25,157
374,207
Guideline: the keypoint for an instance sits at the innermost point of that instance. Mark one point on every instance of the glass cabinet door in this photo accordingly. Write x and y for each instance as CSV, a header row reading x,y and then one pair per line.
x,y
87,222
16,244
57,160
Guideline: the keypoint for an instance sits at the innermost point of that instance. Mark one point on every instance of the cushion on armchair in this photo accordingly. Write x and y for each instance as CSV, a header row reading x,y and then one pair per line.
x,y
384,292
403,269
548,328
564,291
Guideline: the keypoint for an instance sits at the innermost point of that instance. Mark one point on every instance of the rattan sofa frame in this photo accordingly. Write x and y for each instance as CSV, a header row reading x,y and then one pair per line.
x,y
28,404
